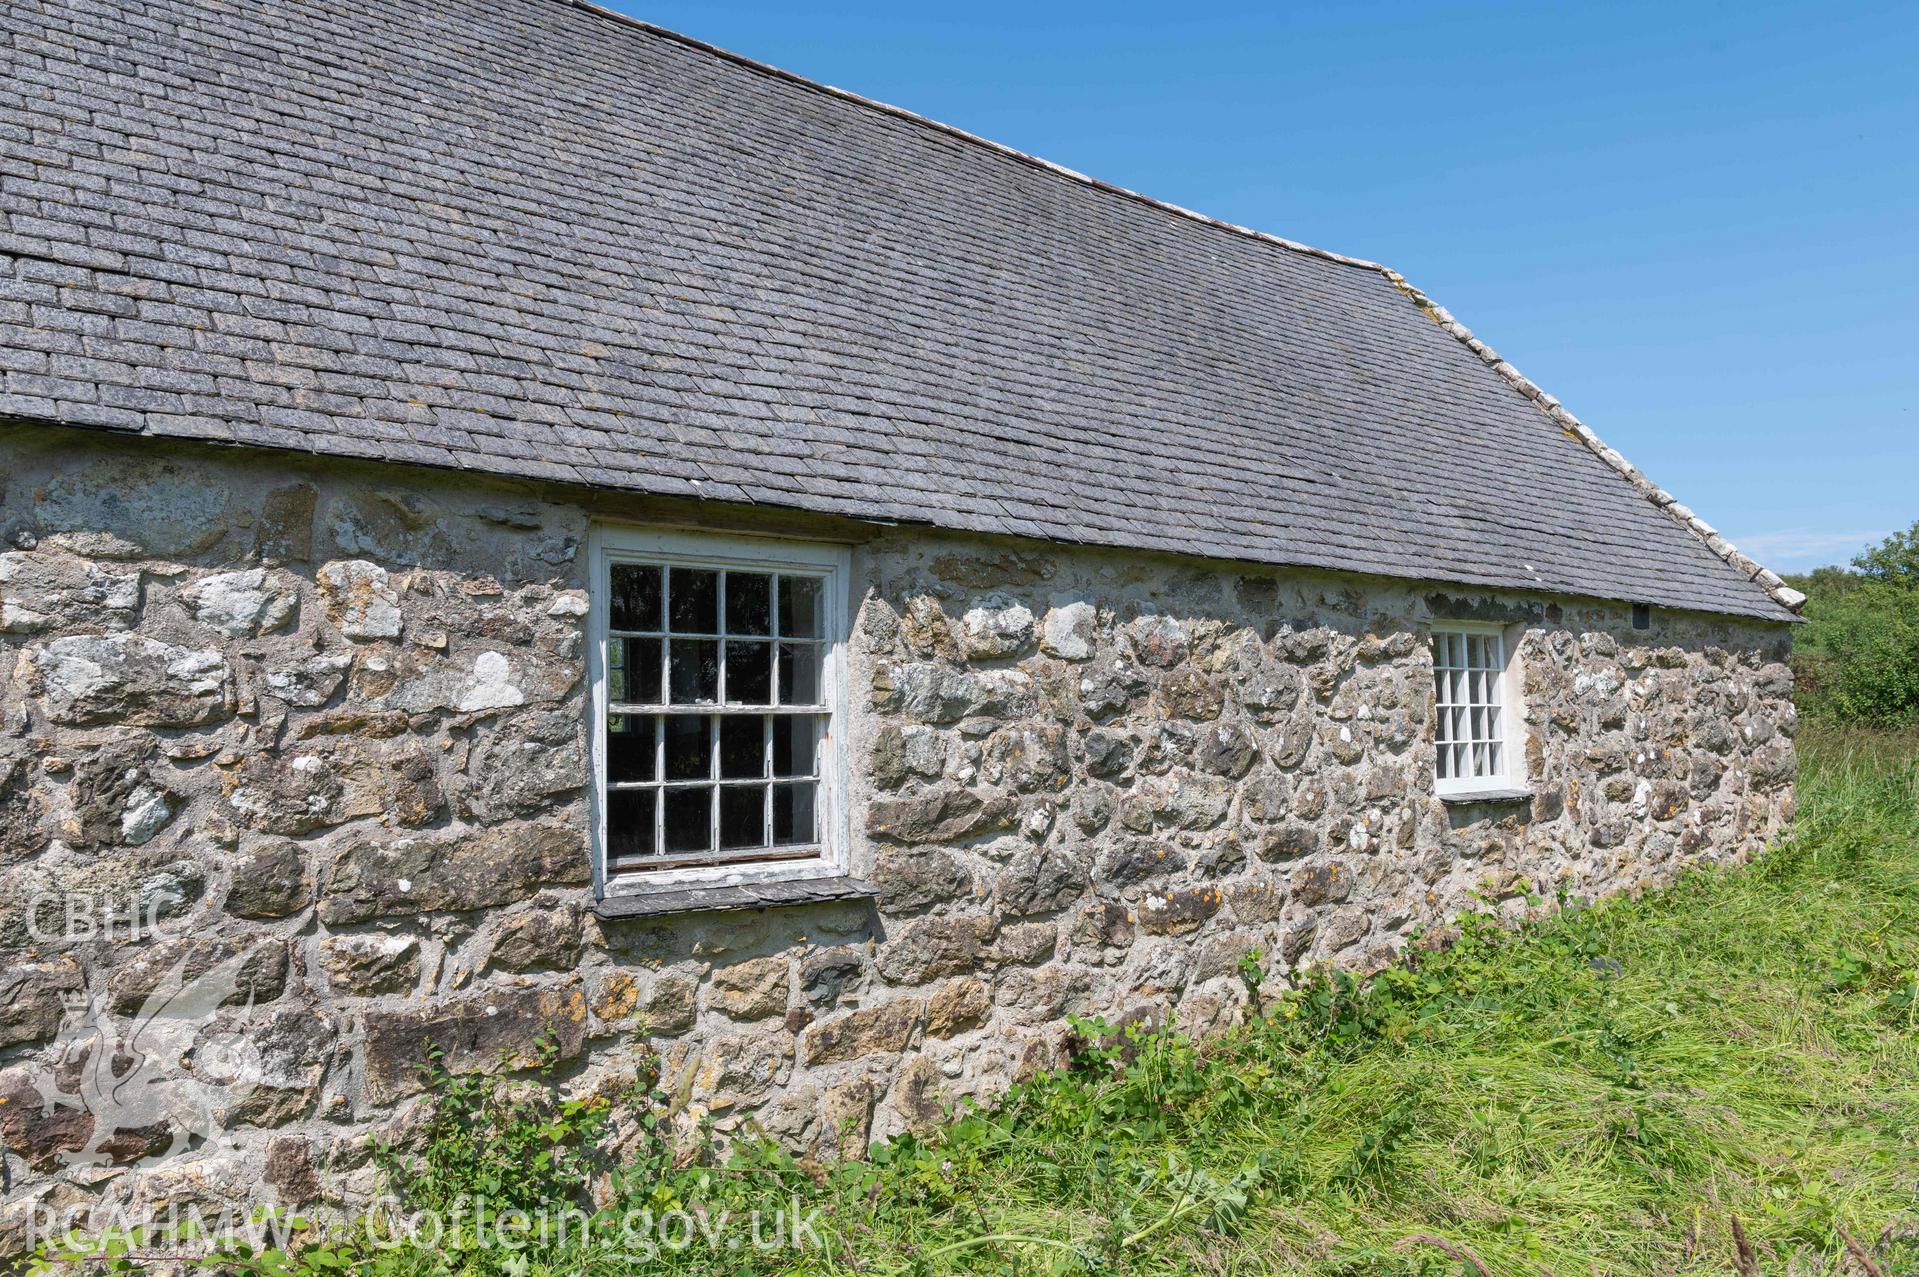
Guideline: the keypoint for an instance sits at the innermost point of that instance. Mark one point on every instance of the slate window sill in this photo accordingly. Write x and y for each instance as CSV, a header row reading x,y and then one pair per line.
x,y
1488,794
732,899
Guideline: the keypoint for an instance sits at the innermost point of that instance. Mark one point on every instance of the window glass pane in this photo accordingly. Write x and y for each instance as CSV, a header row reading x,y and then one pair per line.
x,y
629,823
799,674
742,747
749,603
712,783
695,594
689,820
793,814
633,671
795,741
689,750
630,752
749,673
742,816
695,671
635,597
799,607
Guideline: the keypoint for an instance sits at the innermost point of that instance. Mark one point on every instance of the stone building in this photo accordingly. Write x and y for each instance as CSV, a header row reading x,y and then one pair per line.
x,y
520,525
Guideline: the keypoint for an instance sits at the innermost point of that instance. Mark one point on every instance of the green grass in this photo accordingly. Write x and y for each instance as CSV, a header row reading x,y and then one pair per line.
x,y
1603,1092
1609,1089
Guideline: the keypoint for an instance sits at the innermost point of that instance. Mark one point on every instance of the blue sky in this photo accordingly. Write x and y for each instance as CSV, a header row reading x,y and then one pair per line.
x,y
1696,223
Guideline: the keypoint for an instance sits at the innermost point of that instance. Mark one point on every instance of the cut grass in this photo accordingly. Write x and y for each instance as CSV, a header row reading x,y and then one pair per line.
x,y
1605,1091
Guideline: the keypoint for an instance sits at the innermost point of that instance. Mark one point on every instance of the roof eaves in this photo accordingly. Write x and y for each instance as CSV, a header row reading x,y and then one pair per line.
x,y
1766,579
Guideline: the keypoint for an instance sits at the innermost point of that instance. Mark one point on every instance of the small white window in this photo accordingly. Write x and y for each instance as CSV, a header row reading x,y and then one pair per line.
x,y
1477,729
716,677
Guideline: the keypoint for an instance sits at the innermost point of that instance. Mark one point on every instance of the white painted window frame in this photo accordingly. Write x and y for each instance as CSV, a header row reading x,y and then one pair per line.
x,y
1510,780
608,544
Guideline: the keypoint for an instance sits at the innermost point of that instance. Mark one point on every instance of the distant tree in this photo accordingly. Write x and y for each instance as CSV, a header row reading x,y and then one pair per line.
x,y
1858,654
1827,582
1894,561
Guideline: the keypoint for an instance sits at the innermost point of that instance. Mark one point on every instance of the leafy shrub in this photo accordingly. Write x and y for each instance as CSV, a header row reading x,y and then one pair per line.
x,y
1864,655
1857,656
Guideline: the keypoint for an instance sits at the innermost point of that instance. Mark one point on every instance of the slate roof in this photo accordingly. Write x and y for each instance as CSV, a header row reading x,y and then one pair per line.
x,y
530,238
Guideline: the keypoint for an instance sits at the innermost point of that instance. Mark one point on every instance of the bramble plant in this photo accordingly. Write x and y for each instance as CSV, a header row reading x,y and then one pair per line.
x,y
1251,969
530,1150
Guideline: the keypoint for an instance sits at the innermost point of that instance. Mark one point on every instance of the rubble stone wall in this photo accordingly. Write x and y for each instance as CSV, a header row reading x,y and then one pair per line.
x,y
325,724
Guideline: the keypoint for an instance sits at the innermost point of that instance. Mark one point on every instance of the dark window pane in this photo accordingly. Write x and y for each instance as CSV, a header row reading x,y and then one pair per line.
x,y
749,673
696,601
689,820
794,742
793,814
629,824
742,747
689,753
695,671
636,597
630,754
799,674
633,671
749,603
800,606
742,816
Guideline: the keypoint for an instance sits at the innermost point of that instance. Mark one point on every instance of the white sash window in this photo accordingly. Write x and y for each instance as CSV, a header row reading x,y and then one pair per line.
x,y
1477,730
716,681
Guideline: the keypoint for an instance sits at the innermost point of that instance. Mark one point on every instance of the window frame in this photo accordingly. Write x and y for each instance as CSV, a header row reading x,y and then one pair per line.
x,y
1510,780
608,544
